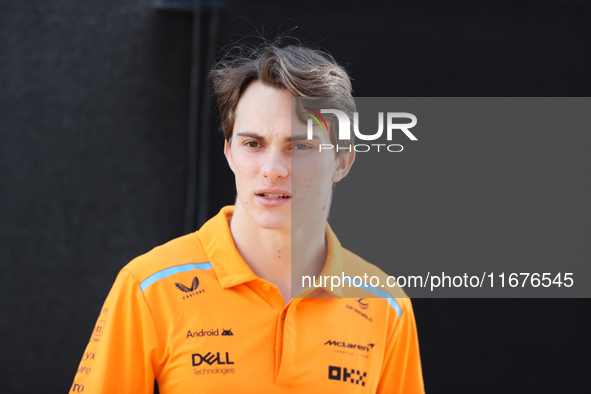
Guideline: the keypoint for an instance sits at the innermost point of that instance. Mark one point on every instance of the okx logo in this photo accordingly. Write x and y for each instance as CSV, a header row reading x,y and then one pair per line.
x,y
346,375
210,359
345,129
192,291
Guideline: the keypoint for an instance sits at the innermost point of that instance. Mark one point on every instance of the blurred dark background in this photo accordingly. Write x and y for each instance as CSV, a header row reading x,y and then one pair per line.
x,y
109,148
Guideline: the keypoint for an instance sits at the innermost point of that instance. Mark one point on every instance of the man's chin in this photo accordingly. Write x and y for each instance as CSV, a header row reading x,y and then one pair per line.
x,y
274,223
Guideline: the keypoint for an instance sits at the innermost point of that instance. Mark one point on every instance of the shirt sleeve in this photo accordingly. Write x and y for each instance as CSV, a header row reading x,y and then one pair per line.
x,y
401,371
119,357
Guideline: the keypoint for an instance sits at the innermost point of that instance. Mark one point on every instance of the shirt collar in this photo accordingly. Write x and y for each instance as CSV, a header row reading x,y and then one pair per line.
x,y
230,267
216,238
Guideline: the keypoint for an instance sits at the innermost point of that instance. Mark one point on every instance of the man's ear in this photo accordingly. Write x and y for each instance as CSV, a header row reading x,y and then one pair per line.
x,y
228,155
344,163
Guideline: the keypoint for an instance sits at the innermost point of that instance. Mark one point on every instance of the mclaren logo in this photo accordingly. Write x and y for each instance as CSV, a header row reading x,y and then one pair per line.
x,y
192,291
351,346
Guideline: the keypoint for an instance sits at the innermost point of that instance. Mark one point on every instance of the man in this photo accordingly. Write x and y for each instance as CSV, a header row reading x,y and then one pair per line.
x,y
216,311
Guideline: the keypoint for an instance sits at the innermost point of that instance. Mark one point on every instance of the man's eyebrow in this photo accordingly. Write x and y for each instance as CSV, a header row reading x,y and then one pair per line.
x,y
250,134
301,137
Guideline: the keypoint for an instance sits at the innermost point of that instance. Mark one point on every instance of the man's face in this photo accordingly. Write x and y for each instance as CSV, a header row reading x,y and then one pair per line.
x,y
282,179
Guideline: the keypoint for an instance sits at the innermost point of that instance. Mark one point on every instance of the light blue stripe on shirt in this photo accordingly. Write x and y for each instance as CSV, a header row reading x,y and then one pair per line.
x,y
165,273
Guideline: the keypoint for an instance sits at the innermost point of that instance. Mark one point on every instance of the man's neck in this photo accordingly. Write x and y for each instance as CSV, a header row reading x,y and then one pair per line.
x,y
280,256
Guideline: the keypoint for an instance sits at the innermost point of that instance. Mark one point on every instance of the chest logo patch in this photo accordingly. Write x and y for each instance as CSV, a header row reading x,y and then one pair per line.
x,y
186,289
363,303
191,291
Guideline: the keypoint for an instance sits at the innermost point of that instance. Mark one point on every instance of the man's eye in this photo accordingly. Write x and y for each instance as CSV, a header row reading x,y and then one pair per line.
x,y
301,147
252,144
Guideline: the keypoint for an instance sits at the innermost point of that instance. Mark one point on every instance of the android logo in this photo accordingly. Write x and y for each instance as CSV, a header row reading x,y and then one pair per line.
x,y
227,332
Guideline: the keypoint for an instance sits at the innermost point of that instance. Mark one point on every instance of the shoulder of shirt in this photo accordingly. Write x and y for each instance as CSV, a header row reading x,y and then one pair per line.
x,y
183,250
353,265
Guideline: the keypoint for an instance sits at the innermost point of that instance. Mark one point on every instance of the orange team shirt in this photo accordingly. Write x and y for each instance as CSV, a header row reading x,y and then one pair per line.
x,y
193,316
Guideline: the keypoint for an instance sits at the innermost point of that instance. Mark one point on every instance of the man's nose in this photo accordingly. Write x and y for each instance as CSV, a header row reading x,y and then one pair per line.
x,y
276,164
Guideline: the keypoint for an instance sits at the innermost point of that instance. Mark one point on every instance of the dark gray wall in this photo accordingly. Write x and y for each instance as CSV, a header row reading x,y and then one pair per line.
x,y
94,109
93,123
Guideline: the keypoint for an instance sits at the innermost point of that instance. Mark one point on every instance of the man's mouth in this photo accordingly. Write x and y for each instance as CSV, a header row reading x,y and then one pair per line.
x,y
273,196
